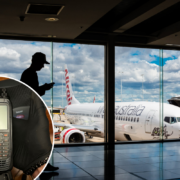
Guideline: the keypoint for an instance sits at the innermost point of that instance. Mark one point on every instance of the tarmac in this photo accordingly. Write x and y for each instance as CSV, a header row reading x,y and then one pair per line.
x,y
62,119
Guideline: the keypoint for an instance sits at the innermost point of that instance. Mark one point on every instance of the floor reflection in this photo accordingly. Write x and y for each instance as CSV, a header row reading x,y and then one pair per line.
x,y
123,161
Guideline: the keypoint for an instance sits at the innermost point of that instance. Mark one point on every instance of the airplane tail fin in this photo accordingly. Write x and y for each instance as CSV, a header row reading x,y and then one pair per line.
x,y
69,92
94,100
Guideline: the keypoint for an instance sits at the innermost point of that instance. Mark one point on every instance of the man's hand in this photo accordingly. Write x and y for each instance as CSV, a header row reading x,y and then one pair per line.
x,y
48,86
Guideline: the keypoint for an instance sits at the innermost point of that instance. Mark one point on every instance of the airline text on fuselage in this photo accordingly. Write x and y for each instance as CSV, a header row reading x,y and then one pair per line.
x,y
125,110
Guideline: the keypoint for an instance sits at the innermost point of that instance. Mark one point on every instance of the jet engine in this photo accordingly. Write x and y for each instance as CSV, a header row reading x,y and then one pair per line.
x,y
72,135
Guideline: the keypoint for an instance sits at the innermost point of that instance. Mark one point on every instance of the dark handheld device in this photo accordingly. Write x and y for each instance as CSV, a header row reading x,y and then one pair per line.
x,y
6,145
52,84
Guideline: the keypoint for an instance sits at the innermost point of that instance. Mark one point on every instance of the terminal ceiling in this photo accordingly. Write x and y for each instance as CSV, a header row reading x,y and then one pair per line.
x,y
130,22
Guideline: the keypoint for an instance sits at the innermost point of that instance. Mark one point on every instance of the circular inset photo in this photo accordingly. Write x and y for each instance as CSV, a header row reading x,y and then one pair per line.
x,y
26,131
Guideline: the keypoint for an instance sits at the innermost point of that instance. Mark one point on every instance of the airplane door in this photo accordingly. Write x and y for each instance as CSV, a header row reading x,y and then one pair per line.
x,y
148,121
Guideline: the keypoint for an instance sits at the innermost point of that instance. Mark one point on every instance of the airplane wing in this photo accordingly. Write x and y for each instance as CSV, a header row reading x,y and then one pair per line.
x,y
90,129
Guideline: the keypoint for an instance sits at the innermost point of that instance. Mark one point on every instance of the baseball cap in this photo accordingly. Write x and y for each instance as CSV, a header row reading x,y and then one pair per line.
x,y
39,57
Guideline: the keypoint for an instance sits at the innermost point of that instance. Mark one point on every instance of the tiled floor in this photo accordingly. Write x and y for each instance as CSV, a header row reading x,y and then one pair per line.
x,y
154,161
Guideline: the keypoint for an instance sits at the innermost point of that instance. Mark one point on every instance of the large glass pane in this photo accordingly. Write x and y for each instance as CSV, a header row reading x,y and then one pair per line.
x,y
137,94
15,57
171,110
78,73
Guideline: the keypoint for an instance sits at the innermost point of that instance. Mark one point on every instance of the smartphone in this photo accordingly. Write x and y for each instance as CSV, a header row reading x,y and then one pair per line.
x,y
6,144
52,84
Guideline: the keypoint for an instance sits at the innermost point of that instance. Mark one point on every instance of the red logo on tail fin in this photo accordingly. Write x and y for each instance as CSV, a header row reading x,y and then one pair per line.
x,y
94,100
68,93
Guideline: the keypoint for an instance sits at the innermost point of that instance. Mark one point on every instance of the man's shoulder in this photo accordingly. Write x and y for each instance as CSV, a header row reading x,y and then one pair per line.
x,y
28,73
28,70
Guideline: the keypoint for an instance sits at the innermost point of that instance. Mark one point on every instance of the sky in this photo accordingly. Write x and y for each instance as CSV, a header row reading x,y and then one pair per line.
x,y
137,68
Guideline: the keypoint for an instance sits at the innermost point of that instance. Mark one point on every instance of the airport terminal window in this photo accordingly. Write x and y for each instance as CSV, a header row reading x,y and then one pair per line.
x,y
82,66
136,79
137,90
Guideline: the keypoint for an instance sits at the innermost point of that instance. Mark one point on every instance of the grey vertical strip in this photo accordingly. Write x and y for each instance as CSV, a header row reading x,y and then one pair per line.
x,y
105,94
161,93
161,113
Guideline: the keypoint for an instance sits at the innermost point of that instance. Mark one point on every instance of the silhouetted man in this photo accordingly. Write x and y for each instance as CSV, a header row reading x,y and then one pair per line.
x,y
29,76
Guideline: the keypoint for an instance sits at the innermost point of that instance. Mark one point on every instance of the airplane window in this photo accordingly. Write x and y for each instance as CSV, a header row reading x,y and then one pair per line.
x,y
121,118
173,120
137,119
134,119
126,118
167,119
131,119
178,119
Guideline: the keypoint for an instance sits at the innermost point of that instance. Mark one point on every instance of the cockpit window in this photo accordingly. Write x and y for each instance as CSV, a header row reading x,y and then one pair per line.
x,y
173,120
167,119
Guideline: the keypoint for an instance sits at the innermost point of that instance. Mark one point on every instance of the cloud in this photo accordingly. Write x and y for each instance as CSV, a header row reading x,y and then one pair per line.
x,y
86,62
172,65
9,53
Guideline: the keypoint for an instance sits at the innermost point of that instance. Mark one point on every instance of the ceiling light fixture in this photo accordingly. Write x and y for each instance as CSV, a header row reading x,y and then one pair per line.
x,y
173,45
52,36
52,19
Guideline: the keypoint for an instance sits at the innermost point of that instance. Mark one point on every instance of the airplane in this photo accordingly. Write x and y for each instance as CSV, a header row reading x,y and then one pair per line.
x,y
133,120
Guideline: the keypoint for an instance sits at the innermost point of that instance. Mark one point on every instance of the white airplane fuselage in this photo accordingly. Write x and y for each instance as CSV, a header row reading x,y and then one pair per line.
x,y
133,120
